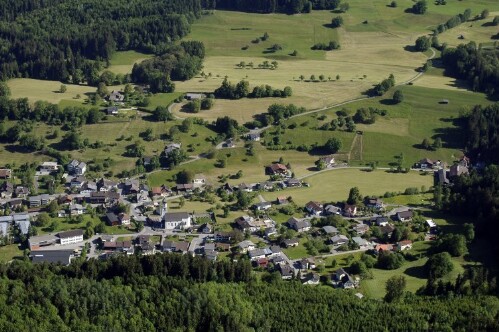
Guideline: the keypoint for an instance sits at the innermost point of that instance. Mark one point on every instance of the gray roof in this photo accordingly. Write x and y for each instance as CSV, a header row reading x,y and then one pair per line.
x,y
23,226
74,232
330,229
256,253
360,241
6,219
338,238
4,228
52,256
175,216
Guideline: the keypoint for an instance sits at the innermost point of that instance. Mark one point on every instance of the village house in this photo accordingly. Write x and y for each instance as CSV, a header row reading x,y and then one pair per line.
x,y
277,169
116,96
223,236
76,167
458,170
106,185
314,208
299,225
245,187
21,192
383,247
362,243
350,210
404,245
175,246
177,220
162,191
282,200
77,209
360,229
293,183
257,253
49,167
112,110
404,216
330,230
287,272
247,223
332,210
311,278
374,203
327,160
5,173
77,181
172,147
112,219
184,188
124,219
6,190
255,137
341,279
206,229
262,206
288,243
441,177
339,240
194,96
269,231
246,246
386,230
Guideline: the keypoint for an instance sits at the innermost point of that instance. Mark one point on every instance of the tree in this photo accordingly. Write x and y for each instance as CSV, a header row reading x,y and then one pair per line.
x,y
393,4
420,7
495,22
193,106
354,196
72,141
63,88
207,103
469,232
398,96
184,176
344,7
139,225
161,113
302,77
423,43
333,145
437,144
43,219
439,265
395,287
243,199
135,150
484,14
454,244
102,90
312,78
337,22
4,89
426,144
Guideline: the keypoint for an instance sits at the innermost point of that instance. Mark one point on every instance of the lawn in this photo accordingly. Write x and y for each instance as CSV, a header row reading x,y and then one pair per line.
x,y
162,99
479,31
10,252
122,62
36,90
334,185
297,252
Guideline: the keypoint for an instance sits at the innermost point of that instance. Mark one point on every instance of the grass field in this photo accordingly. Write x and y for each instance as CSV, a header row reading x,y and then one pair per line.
x,y
479,31
122,62
10,252
334,185
46,90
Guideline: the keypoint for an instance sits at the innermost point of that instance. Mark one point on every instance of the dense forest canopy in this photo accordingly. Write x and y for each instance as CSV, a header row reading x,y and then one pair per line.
x,y
271,6
61,40
482,134
181,293
479,66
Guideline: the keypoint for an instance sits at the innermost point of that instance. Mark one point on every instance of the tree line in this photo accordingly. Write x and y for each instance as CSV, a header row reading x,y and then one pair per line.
x,y
242,90
178,63
70,41
122,294
478,66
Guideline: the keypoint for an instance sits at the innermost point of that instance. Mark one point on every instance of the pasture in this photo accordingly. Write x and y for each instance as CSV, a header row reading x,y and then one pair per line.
x,y
334,185
36,90
122,62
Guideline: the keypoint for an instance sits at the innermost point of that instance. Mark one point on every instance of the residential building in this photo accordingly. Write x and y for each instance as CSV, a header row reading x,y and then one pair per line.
x,y
287,272
282,200
404,215
362,243
330,230
277,169
112,110
262,206
374,203
314,208
172,147
124,219
332,210
71,237
255,137
246,246
112,219
5,173
49,167
327,160
291,243
339,240
360,229
76,167
350,210
199,180
404,245
177,220
383,247
293,183
458,170
116,96
299,225
223,236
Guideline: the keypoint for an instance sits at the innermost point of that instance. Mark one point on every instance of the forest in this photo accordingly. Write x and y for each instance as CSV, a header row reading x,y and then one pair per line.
x,y
71,41
271,6
479,66
167,292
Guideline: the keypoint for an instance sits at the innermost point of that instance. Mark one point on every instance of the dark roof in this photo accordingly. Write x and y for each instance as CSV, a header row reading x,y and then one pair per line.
x,y
405,214
175,216
52,256
74,232
112,217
